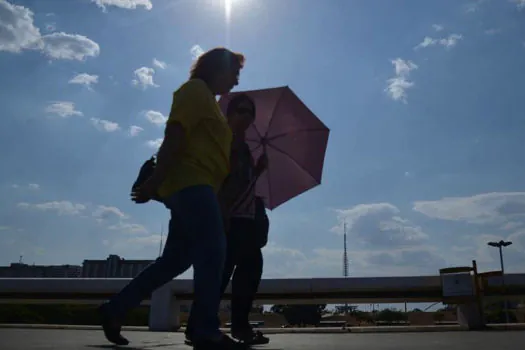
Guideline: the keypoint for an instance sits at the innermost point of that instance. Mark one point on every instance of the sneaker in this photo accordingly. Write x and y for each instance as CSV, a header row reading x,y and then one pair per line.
x,y
188,340
251,338
188,334
224,343
111,326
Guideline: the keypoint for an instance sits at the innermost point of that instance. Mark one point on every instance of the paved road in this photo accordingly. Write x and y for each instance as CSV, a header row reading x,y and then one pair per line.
x,y
33,339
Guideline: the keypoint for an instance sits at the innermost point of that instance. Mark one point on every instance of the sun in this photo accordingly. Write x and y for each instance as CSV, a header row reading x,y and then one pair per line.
x,y
228,9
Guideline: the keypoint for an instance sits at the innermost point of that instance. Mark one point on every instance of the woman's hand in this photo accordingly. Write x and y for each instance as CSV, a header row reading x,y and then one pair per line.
x,y
145,192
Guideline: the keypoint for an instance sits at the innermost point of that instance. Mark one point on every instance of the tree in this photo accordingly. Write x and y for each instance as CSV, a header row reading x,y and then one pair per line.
x,y
390,315
345,309
363,316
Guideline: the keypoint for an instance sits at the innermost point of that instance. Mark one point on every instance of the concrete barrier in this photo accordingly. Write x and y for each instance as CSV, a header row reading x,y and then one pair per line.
x,y
165,302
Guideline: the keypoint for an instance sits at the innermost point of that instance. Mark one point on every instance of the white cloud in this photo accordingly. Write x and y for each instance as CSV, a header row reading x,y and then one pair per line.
x,y
493,31
273,249
473,6
511,225
438,27
494,208
18,33
134,130
155,144
17,30
196,51
105,125
427,41
63,109
124,4
159,64
451,40
448,42
129,228
144,77
33,186
520,4
379,225
61,207
398,85
103,212
69,46
84,79
145,240
286,262
396,262
155,117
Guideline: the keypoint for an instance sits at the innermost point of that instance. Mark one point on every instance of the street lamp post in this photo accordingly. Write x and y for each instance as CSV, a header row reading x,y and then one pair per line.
x,y
500,245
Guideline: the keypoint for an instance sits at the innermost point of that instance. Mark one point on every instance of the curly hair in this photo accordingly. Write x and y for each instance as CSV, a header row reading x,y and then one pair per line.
x,y
215,60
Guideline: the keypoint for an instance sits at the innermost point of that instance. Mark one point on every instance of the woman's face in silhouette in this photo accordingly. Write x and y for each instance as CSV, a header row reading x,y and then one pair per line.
x,y
241,117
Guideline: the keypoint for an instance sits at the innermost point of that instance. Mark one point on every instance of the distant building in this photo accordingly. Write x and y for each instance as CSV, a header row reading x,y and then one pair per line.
x,y
113,267
21,270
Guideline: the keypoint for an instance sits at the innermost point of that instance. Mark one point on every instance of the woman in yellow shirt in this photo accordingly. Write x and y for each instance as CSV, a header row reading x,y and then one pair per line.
x,y
192,163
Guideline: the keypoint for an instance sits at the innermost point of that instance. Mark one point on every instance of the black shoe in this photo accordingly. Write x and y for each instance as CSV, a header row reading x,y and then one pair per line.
x,y
224,343
111,326
189,338
250,337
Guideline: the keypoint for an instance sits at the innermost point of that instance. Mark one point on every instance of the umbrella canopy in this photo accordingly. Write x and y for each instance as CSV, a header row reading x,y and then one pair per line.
x,y
293,138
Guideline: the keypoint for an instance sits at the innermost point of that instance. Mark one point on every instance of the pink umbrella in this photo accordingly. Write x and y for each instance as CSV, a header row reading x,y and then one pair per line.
x,y
293,138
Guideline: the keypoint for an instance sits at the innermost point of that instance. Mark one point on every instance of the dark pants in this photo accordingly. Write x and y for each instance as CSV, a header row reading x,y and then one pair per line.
x,y
244,261
196,237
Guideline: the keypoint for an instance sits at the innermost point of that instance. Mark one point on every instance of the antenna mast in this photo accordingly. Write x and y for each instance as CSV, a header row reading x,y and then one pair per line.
x,y
345,254
345,261
160,244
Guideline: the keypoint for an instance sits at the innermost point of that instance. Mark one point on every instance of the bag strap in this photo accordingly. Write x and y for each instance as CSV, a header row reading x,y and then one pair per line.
x,y
245,194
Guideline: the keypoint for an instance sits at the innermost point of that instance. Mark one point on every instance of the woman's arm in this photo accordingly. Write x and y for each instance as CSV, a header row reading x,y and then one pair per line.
x,y
171,147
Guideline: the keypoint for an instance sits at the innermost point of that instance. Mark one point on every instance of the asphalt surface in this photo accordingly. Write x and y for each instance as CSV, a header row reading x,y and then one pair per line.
x,y
32,339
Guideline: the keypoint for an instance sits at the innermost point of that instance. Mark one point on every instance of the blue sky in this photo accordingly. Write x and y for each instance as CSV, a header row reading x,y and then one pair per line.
x,y
424,99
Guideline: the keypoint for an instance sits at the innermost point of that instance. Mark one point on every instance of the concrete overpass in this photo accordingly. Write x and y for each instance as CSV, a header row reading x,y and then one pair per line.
x,y
462,286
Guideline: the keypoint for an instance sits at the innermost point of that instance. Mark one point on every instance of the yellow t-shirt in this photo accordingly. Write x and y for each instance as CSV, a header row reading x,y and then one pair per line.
x,y
206,158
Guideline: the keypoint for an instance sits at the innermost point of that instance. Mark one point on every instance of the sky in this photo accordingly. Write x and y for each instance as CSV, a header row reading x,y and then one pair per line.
x,y
425,161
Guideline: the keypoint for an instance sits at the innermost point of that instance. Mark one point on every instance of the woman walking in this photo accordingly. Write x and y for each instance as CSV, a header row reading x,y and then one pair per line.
x,y
192,163
247,226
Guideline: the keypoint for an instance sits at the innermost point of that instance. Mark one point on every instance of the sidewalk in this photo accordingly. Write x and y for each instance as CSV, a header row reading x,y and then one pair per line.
x,y
318,330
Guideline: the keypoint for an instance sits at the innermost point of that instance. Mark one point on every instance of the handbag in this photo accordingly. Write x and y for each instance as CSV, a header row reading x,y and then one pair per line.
x,y
262,223
145,172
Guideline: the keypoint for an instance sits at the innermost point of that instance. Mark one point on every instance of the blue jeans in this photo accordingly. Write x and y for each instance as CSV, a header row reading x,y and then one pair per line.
x,y
244,266
196,237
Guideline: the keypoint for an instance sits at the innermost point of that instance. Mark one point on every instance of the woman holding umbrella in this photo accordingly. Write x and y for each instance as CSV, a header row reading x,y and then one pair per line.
x,y
246,225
